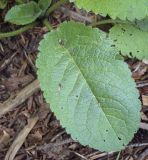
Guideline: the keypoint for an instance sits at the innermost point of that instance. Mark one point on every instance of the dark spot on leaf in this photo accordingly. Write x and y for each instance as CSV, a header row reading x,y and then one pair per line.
x,y
123,29
104,140
60,85
112,45
119,138
106,130
131,34
138,51
77,96
130,53
115,40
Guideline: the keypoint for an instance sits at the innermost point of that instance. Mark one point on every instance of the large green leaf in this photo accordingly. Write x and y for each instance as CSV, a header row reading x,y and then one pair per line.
x,y
23,13
130,40
122,9
44,4
90,92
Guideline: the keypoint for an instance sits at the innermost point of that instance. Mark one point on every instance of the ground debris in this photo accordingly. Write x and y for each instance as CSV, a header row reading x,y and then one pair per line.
x,y
20,99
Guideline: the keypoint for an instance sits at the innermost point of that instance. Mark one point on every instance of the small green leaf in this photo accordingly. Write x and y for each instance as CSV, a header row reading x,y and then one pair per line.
x,y
3,4
44,4
89,90
23,14
130,40
123,9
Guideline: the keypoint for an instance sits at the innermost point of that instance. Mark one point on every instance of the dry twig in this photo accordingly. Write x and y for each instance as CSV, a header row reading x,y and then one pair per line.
x,y
143,155
5,62
76,16
19,98
18,142
144,126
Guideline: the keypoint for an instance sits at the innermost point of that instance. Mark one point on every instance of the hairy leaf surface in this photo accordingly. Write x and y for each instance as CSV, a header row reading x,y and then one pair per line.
x,y
122,9
90,92
130,40
24,13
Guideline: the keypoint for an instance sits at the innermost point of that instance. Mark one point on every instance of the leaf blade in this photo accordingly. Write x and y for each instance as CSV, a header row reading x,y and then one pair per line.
x,y
130,40
44,4
129,9
23,14
77,73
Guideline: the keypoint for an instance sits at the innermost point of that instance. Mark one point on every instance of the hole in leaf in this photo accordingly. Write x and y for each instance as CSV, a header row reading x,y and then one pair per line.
x,y
61,42
60,87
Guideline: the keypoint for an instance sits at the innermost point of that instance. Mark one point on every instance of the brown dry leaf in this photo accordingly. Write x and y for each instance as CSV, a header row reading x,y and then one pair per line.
x,y
131,158
19,98
37,136
18,142
144,126
145,100
139,71
14,83
43,111
145,61
144,117
4,138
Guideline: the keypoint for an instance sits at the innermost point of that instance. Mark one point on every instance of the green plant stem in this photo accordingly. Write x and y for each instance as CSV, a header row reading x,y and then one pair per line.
x,y
18,31
20,1
47,24
55,6
107,21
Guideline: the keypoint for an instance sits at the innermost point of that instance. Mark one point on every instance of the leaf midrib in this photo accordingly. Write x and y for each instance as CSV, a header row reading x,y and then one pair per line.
x,y
71,57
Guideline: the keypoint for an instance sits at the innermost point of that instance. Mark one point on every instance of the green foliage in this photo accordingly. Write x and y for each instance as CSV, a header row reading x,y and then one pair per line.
x,y
130,40
20,1
89,90
142,24
82,74
23,13
44,4
122,9
3,4
28,12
